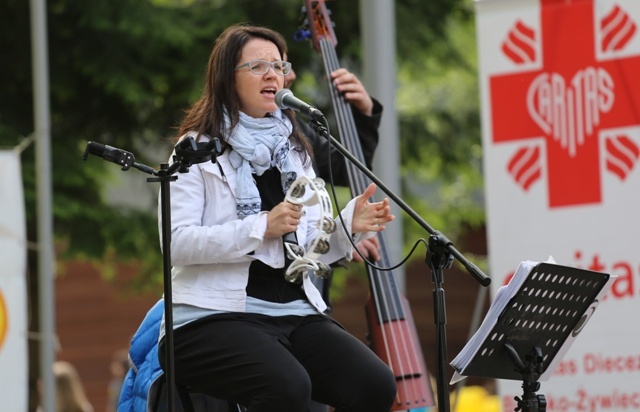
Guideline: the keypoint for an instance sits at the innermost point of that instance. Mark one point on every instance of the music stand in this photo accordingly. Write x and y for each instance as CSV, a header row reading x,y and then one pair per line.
x,y
535,328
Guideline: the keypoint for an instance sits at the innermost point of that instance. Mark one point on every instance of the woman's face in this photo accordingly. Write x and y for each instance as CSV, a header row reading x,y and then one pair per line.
x,y
257,92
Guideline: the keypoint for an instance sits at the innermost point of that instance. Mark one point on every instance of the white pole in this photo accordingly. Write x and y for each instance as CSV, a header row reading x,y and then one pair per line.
x,y
42,127
377,19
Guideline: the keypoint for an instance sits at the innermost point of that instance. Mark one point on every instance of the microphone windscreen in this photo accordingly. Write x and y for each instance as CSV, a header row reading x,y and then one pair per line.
x,y
95,148
280,95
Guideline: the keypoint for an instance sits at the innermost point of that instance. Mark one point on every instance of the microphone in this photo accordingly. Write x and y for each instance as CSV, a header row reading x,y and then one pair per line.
x,y
110,153
115,155
286,100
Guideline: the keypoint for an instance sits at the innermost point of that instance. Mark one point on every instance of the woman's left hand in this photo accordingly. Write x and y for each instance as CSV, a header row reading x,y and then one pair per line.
x,y
370,216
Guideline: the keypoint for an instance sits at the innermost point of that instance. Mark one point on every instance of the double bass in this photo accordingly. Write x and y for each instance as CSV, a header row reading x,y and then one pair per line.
x,y
392,332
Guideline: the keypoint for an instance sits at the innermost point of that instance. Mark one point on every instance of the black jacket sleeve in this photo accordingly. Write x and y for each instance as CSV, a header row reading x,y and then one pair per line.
x,y
367,129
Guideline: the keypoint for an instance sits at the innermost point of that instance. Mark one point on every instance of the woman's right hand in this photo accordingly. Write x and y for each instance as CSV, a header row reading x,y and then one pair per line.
x,y
283,218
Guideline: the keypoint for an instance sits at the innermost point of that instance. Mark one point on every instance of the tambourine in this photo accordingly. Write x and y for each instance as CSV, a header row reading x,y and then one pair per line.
x,y
310,192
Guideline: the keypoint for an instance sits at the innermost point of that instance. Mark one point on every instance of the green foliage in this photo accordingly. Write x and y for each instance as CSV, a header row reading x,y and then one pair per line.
x,y
121,73
422,25
438,106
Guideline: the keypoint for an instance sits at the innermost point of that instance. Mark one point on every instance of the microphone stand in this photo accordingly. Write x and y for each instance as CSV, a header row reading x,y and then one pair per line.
x,y
440,256
188,152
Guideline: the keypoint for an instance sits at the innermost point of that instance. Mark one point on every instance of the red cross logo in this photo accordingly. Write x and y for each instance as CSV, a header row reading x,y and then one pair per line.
x,y
573,101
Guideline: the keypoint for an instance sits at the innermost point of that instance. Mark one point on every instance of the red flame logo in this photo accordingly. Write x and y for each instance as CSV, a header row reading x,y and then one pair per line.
x,y
524,166
621,156
617,29
519,46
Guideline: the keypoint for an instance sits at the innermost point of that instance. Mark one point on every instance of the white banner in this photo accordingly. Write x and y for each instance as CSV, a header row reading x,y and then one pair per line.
x,y
13,295
560,98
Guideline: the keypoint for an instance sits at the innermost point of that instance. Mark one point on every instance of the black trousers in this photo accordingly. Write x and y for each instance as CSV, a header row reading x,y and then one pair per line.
x,y
280,363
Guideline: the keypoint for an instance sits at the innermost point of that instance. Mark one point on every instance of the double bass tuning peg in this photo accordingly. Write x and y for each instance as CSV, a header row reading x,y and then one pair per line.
x,y
304,21
302,34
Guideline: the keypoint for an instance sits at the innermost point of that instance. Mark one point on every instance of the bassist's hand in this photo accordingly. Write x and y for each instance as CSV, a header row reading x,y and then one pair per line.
x,y
353,91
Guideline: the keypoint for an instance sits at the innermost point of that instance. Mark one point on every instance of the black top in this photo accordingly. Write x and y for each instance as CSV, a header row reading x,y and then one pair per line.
x,y
265,282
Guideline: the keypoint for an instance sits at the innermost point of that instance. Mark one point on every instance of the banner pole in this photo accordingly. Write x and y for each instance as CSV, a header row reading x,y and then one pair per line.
x,y
42,123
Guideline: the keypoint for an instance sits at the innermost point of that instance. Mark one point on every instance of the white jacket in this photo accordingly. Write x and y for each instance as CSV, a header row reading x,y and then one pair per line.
x,y
211,248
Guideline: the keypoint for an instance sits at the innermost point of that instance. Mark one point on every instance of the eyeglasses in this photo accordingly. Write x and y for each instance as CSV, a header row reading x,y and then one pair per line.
x,y
261,67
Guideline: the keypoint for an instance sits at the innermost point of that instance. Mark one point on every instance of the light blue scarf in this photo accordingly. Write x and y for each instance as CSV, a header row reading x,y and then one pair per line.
x,y
257,144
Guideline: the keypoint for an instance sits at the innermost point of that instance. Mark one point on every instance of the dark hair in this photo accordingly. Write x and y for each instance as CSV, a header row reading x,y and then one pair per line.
x,y
206,116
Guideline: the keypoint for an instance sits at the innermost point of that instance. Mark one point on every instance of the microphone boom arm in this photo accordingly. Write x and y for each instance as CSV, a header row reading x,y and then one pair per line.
x,y
188,153
473,270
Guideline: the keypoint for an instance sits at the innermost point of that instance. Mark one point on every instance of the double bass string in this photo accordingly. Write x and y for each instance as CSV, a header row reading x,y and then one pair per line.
x,y
393,310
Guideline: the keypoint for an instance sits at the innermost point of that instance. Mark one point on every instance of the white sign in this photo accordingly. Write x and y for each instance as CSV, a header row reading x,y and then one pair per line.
x,y
13,296
560,98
